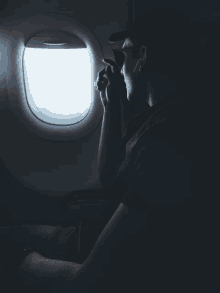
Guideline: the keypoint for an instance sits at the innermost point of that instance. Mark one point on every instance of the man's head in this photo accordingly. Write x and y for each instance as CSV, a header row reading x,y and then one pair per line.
x,y
130,70
161,47
142,85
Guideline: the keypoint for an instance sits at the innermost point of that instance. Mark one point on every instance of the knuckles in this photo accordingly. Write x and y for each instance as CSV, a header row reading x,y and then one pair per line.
x,y
110,71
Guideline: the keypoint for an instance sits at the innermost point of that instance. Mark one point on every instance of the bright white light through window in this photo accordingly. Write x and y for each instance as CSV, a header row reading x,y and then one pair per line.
x,y
58,83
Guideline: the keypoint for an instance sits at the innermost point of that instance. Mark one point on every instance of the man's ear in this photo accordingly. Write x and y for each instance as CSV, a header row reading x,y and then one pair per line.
x,y
141,64
143,52
150,92
142,60
143,56
138,66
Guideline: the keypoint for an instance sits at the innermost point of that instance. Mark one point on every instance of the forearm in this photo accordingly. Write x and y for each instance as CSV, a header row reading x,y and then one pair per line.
x,y
109,152
103,259
71,277
37,269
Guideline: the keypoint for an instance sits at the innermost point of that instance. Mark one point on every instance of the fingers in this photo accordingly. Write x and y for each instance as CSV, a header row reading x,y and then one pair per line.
x,y
101,78
105,71
102,81
114,66
108,70
101,73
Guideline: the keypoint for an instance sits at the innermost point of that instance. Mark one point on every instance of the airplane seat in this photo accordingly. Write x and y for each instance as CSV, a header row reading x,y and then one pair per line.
x,y
95,197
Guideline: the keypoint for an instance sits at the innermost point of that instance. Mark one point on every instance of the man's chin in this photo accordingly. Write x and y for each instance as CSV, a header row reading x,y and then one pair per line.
x,y
131,96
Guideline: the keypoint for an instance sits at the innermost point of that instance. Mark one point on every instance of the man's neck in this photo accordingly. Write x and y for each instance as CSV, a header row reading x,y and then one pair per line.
x,y
137,108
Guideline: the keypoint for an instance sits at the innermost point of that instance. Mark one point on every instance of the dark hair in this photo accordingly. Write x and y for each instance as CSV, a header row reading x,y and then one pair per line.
x,y
171,42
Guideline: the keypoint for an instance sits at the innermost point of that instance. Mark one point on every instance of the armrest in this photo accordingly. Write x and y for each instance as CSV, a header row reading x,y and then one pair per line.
x,y
85,194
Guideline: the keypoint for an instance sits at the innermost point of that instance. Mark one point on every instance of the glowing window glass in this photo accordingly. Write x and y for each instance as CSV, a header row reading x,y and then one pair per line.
x,y
58,83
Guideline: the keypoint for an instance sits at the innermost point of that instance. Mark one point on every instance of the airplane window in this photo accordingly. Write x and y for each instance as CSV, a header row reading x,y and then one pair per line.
x,y
58,83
